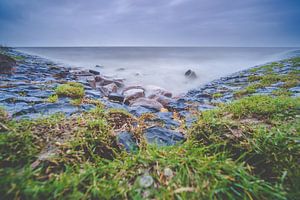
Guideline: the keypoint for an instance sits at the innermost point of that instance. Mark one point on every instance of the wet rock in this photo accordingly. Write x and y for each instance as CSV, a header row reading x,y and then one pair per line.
x,y
139,110
162,137
147,103
133,94
116,97
295,89
52,108
6,64
190,74
127,141
94,72
177,105
99,66
154,90
101,80
167,119
110,88
161,99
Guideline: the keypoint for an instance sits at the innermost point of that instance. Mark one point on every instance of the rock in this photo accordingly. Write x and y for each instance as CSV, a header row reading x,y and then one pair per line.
x,y
167,119
154,90
139,111
161,99
168,172
6,64
115,97
133,94
190,74
162,137
110,88
120,69
146,181
127,141
101,80
147,103
99,66
94,72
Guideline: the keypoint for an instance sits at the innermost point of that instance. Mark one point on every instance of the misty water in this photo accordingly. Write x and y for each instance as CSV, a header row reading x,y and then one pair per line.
x,y
162,66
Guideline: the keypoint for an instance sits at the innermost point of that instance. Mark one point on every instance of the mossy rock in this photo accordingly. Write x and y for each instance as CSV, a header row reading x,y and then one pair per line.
x,y
71,89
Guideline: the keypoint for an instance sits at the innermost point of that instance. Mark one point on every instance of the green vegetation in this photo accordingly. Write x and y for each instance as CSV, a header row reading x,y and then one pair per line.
x,y
244,150
269,77
70,89
217,95
53,98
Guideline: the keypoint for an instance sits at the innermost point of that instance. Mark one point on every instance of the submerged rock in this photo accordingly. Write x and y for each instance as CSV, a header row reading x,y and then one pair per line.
x,y
162,137
190,74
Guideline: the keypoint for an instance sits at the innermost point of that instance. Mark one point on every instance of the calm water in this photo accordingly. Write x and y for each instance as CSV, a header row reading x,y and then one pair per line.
x,y
162,66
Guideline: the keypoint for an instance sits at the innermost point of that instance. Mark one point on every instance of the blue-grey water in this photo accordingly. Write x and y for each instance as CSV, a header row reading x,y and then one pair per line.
x,y
162,66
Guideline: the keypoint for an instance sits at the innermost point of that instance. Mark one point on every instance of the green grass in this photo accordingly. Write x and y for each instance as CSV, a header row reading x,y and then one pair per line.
x,y
269,77
217,95
244,150
71,89
247,149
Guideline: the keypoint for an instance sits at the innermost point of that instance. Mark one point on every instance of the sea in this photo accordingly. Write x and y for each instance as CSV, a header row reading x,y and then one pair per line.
x,y
163,66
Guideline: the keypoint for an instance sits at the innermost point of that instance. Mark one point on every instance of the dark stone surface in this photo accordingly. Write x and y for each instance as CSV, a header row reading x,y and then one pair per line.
x,y
162,136
127,141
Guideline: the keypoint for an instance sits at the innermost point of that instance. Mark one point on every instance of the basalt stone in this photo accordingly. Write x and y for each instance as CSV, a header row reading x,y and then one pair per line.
x,y
94,72
139,110
295,89
167,119
115,97
204,107
127,140
6,64
162,136
266,90
177,105
147,103
93,94
48,108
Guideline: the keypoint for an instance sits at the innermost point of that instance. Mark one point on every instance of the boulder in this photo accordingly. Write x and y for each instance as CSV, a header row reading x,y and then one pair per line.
x,y
162,136
161,99
99,66
110,88
190,74
6,64
147,103
94,72
133,94
115,97
152,90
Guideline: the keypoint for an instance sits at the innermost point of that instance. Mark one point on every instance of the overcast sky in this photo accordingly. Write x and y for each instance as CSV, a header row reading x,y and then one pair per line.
x,y
150,22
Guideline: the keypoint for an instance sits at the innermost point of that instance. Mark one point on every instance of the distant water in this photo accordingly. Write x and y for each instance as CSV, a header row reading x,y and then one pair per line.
x,y
162,66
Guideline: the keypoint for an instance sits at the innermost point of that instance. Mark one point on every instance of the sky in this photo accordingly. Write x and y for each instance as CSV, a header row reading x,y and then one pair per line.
x,y
150,23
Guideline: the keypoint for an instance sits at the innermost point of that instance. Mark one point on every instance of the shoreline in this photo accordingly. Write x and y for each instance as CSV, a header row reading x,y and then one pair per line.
x,y
111,90
244,148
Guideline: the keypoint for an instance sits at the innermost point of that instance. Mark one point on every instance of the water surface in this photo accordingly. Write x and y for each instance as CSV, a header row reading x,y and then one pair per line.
x,y
162,66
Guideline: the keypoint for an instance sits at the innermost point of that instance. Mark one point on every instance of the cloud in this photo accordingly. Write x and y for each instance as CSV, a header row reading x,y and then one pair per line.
x,y
155,22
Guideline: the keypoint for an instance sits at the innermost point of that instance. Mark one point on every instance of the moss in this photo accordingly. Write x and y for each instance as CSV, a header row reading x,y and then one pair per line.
x,y
217,95
53,98
71,89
